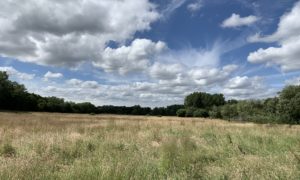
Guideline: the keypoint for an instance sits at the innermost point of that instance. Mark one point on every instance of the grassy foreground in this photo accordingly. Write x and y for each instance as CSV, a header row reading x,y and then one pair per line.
x,y
70,146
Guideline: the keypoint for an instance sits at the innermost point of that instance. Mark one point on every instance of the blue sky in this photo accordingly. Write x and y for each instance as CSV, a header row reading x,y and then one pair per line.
x,y
150,52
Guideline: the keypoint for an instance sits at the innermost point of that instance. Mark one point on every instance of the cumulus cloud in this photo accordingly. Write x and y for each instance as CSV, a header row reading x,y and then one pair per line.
x,y
144,93
294,81
51,75
83,84
286,54
16,74
74,82
163,89
133,58
67,33
208,76
235,20
166,71
166,87
195,6
247,87
244,82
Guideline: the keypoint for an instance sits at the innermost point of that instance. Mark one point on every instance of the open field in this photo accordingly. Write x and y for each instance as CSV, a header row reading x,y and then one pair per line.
x,y
70,146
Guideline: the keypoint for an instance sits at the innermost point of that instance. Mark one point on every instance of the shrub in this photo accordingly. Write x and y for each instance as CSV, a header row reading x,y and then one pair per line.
x,y
7,150
215,112
189,112
200,113
229,111
181,112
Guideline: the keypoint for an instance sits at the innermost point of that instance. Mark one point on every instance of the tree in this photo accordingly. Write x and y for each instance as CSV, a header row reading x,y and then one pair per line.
x,y
249,109
13,96
229,111
289,103
270,105
158,111
204,100
200,113
181,112
5,94
171,110
215,112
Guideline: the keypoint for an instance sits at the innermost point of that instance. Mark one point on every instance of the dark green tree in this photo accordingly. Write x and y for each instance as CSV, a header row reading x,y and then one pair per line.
x,y
289,104
203,100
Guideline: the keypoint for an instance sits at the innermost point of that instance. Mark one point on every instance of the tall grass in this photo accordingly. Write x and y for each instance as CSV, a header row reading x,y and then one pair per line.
x,y
67,146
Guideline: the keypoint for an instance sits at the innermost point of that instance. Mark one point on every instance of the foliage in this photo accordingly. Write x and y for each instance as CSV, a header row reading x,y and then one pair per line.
x,y
14,96
215,112
229,111
200,113
204,100
181,112
7,150
289,103
190,112
282,109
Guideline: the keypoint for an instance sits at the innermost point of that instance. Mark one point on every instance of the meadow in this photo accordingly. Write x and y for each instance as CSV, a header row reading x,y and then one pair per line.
x,y
74,146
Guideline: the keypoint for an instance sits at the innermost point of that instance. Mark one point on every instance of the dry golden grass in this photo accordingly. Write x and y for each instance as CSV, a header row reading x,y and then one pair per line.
x,y
73,146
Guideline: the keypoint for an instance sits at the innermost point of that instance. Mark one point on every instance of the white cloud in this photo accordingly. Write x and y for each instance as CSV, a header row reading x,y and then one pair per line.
x,y
166,71
163,89
51,75
235,20
74,82
90,84
195,6
67,33
286,54
247,87
294,81
16,74
243,82
83,84
209,76
133,58
193,57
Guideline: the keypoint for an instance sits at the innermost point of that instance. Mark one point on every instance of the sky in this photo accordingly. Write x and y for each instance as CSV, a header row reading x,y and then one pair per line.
x,y
150,52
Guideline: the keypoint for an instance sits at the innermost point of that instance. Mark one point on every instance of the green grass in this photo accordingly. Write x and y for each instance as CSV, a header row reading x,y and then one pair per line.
x,y
68,146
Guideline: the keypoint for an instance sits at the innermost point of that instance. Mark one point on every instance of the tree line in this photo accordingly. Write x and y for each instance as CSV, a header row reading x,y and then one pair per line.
x,y
282,109
14,97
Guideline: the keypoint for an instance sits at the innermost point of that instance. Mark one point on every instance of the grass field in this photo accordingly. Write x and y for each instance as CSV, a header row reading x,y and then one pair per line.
x,y
70,146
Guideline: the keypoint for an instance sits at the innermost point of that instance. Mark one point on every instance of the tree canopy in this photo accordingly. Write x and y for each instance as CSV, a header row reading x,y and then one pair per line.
x,y
282,109
204,100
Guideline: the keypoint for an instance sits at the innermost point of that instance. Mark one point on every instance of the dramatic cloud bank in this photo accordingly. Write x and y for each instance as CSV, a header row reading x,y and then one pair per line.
x,y
133,58
109,52
286,54
67,33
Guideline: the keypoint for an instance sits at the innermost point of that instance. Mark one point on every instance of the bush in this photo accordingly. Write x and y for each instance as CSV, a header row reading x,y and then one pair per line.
x,y
200,113
215,112
7,150
189,112
229,111
181,112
